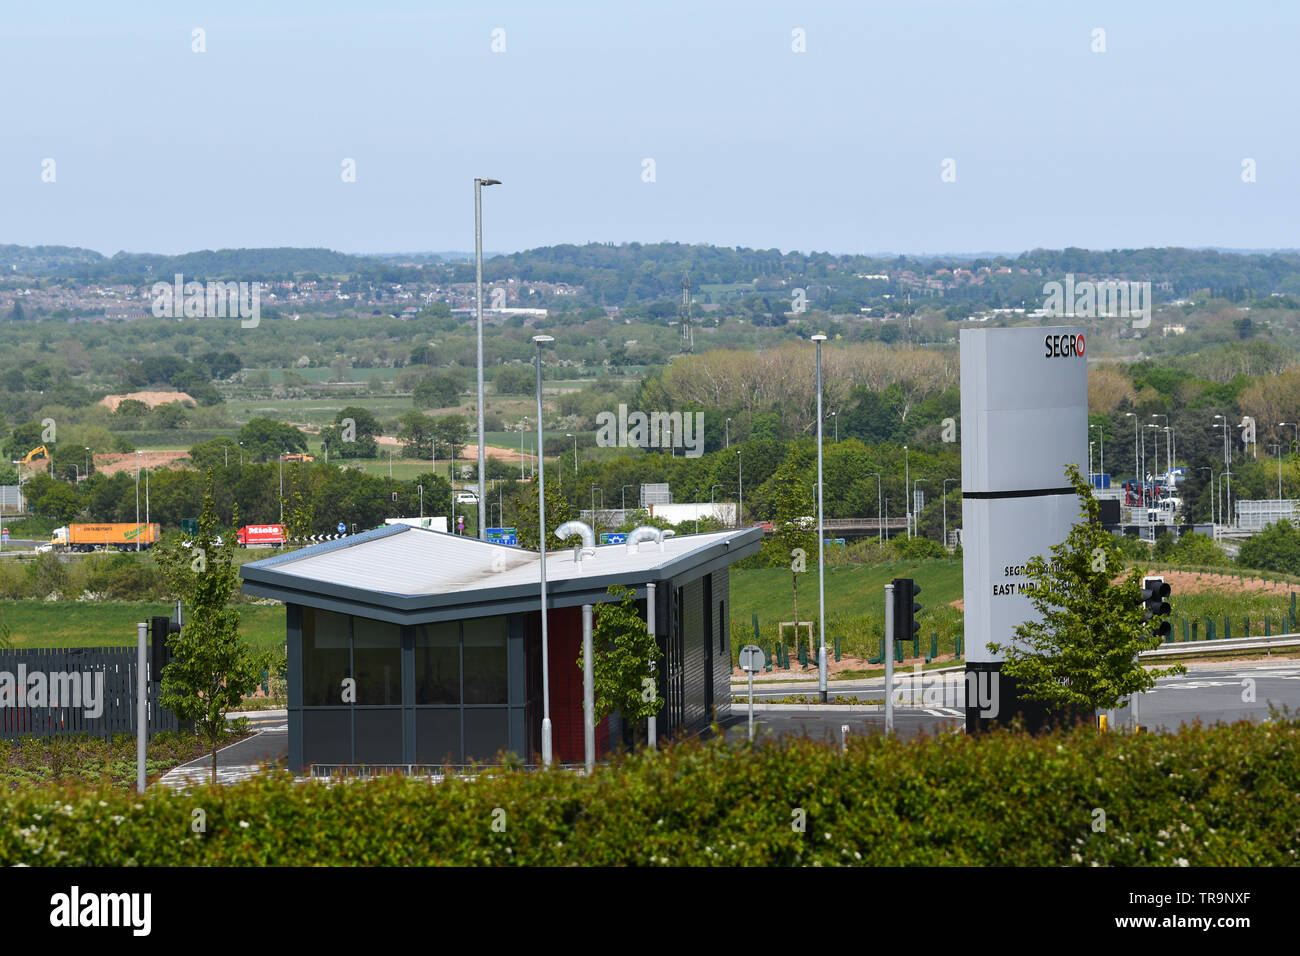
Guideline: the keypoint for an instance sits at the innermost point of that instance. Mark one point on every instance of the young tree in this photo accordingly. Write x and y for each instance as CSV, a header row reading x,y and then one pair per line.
x,y
794,535
1083,651
557,513
212,668
623,657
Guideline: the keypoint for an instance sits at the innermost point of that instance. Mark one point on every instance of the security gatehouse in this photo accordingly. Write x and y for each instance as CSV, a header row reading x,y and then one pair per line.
x,y
410,646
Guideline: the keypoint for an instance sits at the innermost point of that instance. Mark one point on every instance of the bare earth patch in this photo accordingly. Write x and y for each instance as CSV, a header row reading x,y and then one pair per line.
x,y
152,399
112,463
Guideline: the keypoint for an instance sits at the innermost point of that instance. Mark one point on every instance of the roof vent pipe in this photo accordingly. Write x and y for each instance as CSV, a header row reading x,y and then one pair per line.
x,y
664,534
583,530
644,533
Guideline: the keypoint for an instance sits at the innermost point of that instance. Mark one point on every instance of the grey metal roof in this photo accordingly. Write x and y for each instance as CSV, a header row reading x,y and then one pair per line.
x,y
405,574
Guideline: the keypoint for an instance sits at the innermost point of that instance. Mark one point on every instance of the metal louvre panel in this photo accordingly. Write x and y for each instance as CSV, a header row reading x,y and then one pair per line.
x,y
722,643
693,658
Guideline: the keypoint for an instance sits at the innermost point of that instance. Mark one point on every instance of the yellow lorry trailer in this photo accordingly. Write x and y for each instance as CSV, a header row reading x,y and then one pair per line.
x,y
124,536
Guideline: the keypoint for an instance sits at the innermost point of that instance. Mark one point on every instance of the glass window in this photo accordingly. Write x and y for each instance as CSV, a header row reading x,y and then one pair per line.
x,y
326,657
487,680
487,732
377,656
327,736
437,665
379,735
437,735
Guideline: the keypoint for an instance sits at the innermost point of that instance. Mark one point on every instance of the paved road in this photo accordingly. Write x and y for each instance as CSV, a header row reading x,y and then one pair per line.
x,y
1210,691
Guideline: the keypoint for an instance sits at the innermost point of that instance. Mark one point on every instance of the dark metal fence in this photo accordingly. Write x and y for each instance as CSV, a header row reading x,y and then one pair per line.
x,y
76,690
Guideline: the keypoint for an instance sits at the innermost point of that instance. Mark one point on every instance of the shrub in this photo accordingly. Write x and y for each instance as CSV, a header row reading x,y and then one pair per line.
x,y
1221,796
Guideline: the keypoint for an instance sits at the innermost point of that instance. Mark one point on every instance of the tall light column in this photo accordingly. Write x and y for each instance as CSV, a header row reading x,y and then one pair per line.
x,y
907,482
538,342
819,338
137,501
740,480
478,286
880,515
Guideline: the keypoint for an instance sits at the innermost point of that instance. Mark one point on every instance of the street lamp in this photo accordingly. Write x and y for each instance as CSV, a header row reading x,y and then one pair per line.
x,y
1278,452
917,514
1101,438
945,508
281,487
907,483
575,454
1090,471
1226,474
1295,425
538,342
819,338
740,484
137,501
835,415
623,492
241,456
478,288
880,520
726,430
1137,473
1212,522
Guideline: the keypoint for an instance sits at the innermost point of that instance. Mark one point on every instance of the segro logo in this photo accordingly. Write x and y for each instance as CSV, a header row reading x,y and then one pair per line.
x,y
1063,346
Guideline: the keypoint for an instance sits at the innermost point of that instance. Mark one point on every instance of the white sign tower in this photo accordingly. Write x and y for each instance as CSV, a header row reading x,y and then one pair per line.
x,y
1024,417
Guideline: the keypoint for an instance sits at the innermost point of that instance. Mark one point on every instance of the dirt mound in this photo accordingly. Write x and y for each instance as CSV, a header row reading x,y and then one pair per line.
x,y
152,399
113,462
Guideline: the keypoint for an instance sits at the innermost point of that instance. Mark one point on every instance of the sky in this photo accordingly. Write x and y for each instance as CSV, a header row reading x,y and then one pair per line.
x,y
862,127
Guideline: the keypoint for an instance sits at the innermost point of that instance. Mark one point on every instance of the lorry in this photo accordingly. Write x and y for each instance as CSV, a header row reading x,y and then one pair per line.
x,y
261,535
124,536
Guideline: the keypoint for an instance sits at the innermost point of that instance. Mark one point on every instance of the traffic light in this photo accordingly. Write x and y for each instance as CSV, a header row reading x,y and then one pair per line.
x,y
1154,593
159,628
906,625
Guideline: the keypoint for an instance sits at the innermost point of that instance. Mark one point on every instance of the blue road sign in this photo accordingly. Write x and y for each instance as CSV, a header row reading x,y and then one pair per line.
x,y
342,527
503,536
608,537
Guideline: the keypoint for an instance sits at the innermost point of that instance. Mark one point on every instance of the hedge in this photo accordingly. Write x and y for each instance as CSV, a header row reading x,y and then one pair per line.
x,y
1228,795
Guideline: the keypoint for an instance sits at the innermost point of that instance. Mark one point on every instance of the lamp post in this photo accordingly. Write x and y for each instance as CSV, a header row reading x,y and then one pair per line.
x,y
740,484
241,456
575,454
907,483
137,501
819,338
1169,464
1101,438
917,515
880,520
945,508
1211,471
478,288
726,431
1137,473
623,492
1157,447
538,342
836,416
1296,425
1090,471
1277,446
281,487
87,447
1226,474
713,508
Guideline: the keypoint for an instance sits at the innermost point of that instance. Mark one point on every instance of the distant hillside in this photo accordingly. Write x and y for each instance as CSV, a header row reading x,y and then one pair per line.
x,y
31,259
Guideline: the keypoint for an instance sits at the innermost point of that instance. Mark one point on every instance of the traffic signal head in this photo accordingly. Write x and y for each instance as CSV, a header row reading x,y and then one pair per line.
x,y
906,609
159,628
1154,594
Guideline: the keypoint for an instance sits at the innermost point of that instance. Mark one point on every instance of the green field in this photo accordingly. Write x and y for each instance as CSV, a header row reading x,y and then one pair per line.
x,y
113,624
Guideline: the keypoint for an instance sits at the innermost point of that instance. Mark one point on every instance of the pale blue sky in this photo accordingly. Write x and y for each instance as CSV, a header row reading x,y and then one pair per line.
x,y
839,148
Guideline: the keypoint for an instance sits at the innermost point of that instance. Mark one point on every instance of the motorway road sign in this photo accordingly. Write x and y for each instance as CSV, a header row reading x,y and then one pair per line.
x,y
342,527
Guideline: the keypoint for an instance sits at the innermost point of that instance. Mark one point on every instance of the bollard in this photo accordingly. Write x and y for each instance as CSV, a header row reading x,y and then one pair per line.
x,y
898,652
1184,630
837,648
1268,626
957,646
1247,626
1227,628
1194,627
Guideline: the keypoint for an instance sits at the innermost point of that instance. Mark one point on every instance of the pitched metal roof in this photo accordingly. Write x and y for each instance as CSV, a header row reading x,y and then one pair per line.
x,y
414,575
